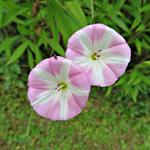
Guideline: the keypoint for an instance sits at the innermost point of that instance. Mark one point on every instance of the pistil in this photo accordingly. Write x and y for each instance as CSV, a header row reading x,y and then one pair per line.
x,y
96,55
61,86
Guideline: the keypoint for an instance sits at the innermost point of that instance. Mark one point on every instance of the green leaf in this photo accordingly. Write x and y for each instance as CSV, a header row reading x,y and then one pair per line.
x,y
30,59
136,3
36,51
122,81
120,23
77,12
57,47
141,27
109,90
145,44
38,56
43,39
66,23
23,30
92,8
6,44
145,8
136,21
12,11
138,45
147,62
134,94
18,52
1,11
119,4
53,27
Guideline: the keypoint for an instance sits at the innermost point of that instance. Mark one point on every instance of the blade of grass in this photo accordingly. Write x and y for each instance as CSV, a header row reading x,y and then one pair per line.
x,y
92,9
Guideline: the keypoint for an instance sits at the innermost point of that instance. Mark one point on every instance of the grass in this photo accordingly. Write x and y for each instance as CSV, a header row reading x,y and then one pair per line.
x,y
105,124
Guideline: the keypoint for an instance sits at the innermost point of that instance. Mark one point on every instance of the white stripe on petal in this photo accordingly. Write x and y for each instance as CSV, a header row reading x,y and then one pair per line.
x,y
115,58
85,42
84,62
45,76
79,91
97,72
46,96
106,40
119,59
64,70
108,55
64,104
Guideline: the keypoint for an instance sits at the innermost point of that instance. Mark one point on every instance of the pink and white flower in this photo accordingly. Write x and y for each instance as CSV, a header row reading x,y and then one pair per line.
x,y
101,51
58,89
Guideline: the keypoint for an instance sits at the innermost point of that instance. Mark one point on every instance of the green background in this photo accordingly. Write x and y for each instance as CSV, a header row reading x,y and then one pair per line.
x,y
115,118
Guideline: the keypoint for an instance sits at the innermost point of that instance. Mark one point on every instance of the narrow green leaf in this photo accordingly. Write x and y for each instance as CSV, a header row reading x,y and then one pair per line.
x,y
18,52
145,8
92,8
43,39
36,51
1,11
136,21
120,23
109,90
119,4
136,3
13,10
145,45
122,80
76,10
23,30
66,23
134,94
38,56
141,27
147,62
138,45
54,28
30,59
6,44
57,47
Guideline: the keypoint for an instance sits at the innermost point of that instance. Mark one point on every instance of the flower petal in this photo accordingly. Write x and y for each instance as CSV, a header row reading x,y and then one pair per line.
x,y
117,58
81,42
42,75
110,48
102,75
44,97
64,70
44,94
104,37
73,107
49,110
117,53
45,108
64,105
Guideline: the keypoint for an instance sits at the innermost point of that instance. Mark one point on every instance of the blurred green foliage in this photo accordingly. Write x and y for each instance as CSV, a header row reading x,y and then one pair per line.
x,y
116,117
105,124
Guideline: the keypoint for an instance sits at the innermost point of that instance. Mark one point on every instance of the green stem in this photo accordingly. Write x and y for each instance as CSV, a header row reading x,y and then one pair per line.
x,y
92,9
29,124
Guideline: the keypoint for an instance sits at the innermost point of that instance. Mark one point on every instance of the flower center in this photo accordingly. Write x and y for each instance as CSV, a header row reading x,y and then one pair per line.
x,y
61,86
96,55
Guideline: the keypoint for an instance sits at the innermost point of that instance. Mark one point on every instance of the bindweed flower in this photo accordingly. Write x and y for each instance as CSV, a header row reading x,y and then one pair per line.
x,y
101,51
58,89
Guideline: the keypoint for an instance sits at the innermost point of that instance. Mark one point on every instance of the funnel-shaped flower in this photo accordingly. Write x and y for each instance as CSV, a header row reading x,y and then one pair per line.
x,y
101,51
58,89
